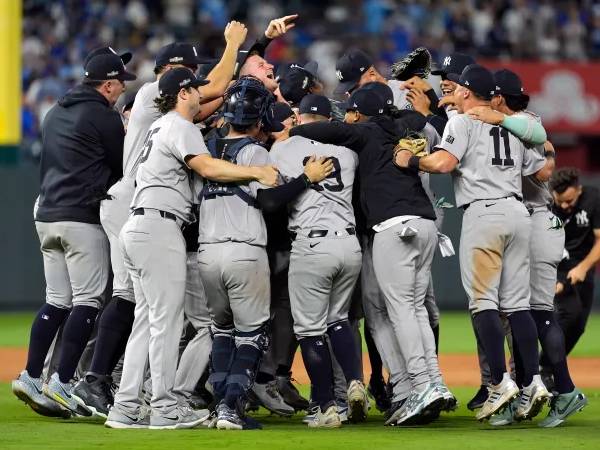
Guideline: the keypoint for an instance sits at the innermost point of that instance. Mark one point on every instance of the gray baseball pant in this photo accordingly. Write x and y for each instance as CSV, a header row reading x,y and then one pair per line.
x,y
156,258
402,267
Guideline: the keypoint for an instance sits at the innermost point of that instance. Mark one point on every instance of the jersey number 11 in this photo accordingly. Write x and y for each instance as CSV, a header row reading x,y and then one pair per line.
x,y
496,133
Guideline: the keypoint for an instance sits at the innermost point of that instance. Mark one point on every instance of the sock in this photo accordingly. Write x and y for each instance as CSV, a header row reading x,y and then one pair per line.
x,y
374,357
518,359
436,336
491,335
283,371
553,344
114,329
345,349
524,333
77,331
242,373
264,377
43,330
221,357
317,360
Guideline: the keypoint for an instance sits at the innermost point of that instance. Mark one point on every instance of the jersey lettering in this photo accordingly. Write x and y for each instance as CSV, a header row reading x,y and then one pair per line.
x,y
148,144
496,133
336,174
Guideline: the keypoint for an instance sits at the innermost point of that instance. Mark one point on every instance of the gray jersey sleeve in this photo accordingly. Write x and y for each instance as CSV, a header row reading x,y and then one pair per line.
x,y
186,141
533,161
254,155
456,136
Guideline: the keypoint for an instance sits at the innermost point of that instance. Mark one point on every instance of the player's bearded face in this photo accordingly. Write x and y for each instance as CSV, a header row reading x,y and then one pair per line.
x,y
567,200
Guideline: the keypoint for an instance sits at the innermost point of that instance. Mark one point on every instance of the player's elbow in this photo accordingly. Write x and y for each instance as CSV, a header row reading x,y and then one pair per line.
x,y
443,165
545,172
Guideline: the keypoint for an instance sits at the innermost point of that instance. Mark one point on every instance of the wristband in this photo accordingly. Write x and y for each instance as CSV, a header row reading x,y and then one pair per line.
x,y
413,162
549,153
306,180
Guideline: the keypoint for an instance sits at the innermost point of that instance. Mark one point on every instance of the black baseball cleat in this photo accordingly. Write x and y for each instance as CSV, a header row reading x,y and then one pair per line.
x,y
394,411
377,390
93,392
479,399
290,394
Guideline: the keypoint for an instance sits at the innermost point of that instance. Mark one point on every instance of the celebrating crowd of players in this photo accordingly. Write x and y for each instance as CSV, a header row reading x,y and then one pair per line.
x,y
243,215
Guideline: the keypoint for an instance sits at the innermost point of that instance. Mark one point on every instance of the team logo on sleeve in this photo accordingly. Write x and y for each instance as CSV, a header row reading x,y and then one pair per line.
x,y
450,139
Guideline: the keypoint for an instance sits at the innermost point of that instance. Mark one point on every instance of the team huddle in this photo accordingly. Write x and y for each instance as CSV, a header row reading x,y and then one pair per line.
x,y
243,214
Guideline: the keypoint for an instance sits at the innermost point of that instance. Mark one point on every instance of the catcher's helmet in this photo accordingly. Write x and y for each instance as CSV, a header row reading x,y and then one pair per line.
x,y
246,102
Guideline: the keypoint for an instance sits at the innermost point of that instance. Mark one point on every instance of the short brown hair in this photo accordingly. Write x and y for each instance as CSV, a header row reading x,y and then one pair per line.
x,y
563,179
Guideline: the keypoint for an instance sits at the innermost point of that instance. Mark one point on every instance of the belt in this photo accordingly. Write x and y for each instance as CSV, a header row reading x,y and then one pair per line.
x,y
323,233
465,207
165,214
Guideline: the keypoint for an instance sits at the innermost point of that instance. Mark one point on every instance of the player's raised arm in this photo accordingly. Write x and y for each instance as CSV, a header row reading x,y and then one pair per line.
x,y
235,35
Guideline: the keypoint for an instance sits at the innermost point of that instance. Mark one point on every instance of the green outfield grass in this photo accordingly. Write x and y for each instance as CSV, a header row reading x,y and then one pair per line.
x,y
456,333
20,428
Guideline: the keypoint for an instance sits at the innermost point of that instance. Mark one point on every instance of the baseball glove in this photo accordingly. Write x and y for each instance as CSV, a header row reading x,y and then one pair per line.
x,y
416,145
417,62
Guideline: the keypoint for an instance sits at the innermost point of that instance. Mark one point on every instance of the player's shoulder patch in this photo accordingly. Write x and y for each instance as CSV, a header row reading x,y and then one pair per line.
x,y
450,139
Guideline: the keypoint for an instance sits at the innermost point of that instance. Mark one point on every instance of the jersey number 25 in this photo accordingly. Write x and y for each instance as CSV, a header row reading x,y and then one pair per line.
x,y
336,174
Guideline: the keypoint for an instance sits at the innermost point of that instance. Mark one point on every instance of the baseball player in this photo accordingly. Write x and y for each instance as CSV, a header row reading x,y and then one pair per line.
x,y
324,266
117,318
371,133
155,251
546,251
494,247
232,257
82,144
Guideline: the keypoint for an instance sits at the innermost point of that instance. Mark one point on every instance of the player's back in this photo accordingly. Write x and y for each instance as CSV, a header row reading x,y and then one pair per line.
x,y
229,218
143,114
328,204
491,160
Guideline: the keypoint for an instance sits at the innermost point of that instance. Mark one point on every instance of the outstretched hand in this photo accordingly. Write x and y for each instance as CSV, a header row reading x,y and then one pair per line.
x,y
278,27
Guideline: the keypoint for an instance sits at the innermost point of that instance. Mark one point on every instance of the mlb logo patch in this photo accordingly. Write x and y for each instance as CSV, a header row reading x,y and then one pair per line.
x,y
449,139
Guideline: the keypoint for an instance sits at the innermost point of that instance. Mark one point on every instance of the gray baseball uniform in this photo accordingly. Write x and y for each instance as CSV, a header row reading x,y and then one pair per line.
x,y
323,270
547,238
155,256
232,256
115,211
494,245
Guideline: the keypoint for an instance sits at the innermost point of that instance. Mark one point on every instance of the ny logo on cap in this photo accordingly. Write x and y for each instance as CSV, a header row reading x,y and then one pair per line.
x,y
338,74
447,60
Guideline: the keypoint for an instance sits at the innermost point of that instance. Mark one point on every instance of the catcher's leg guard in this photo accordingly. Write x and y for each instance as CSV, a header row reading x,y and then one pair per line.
x,y
221,359
250,347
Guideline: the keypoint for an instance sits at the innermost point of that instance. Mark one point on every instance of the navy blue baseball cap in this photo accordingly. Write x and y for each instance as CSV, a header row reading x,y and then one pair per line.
x,y
381,89
176,79
315,104
180,53
367,102
125,57
107,67
295,81
282,111
476,78
454,63
509,83
349,68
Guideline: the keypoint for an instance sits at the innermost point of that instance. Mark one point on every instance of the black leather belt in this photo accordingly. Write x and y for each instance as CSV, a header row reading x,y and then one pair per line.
x,y
465,207
322,233
165,214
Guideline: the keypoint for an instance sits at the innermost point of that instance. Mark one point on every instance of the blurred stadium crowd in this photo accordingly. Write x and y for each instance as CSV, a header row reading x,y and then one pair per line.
x,y
57,34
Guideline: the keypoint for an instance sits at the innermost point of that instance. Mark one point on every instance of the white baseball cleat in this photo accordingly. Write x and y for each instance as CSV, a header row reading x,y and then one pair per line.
x,y
499,396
